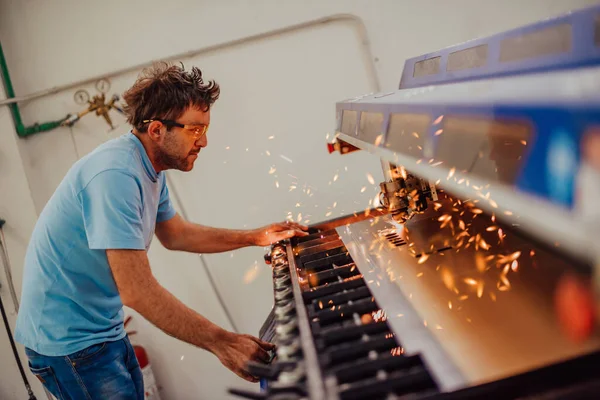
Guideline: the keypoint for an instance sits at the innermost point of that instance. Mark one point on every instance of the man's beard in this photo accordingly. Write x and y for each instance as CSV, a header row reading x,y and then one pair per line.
x,y
174,162
169,159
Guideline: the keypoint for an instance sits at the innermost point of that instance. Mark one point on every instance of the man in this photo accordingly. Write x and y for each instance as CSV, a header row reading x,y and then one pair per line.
x,y
87,255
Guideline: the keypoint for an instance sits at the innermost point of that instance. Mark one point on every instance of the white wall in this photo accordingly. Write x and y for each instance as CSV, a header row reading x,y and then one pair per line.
x,y
17,209
283,85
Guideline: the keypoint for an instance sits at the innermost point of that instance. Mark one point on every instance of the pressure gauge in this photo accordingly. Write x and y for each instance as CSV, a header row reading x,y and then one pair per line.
x,y
81,97
103,85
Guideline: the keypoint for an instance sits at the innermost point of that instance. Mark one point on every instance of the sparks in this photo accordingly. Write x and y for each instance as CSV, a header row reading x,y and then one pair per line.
x,y
438,119
370,179
448,279
272,170
439,132
423,258
268,153
480,262
276,183
403,172
363,189
450,305
514,266
483,244
509,258
451,173
470,281
335,177
444,217
524,143
378,139
251,273
480,289
415,134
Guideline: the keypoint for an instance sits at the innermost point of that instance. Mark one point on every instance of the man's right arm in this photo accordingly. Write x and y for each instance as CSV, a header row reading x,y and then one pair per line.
x,y
140,291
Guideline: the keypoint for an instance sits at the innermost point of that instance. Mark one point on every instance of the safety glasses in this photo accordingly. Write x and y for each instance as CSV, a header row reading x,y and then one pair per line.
x,y
195,130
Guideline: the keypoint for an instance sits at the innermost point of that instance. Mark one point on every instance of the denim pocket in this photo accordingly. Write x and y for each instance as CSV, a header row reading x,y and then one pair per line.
x,y
48,378
88,353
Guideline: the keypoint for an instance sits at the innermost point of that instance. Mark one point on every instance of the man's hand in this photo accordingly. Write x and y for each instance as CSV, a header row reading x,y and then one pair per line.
x,y
236,350
279,231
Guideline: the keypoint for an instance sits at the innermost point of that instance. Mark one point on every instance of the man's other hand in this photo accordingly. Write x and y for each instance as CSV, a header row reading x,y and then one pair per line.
x,y
236,350
279,231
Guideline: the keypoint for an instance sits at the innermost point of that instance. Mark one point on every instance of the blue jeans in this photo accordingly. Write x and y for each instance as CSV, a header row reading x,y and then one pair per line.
x,y
108,370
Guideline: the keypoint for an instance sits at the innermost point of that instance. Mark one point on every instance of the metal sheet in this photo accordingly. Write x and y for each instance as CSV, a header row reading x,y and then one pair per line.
x,y
414,336
450,308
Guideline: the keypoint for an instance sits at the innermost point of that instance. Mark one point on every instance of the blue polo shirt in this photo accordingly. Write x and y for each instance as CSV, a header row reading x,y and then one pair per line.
x,y
110,199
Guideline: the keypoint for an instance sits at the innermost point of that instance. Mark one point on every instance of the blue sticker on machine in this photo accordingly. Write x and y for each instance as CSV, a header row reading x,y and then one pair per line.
x,y
551,168
562,160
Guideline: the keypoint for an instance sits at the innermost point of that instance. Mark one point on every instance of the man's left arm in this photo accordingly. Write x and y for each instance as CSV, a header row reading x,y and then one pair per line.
x,y
179,234
175,233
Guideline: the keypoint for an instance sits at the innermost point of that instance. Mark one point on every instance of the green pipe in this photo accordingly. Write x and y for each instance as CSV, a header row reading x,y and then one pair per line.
x,y
22,130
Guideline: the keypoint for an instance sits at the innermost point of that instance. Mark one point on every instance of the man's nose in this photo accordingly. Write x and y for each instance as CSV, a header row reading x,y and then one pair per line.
x,y
202,141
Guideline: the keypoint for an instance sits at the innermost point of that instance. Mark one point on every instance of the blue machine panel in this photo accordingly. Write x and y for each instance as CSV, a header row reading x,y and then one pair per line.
x,y
567,41
535,149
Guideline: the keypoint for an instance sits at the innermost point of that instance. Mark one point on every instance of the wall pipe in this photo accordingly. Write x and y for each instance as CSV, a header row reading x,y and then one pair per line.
x,y
355,19
21,129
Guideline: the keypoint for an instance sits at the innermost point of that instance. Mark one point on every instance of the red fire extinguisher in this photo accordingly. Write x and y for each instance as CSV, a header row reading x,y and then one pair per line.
x,y
150,387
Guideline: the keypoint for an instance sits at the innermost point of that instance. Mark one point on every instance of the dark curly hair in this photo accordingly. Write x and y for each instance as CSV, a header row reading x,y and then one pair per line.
x,y
166,91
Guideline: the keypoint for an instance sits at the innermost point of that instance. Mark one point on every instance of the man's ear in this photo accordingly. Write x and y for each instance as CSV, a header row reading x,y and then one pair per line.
x,y
155,130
